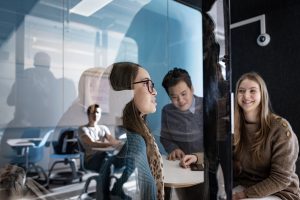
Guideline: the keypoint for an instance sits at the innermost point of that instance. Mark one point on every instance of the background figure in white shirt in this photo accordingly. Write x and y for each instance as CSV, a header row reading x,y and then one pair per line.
x,y
93,135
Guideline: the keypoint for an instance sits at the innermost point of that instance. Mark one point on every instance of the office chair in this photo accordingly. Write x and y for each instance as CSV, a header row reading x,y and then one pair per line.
x,y
103,177
35,154
65,153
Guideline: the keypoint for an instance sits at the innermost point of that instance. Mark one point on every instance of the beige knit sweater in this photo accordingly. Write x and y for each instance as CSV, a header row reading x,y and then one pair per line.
x,y
275,173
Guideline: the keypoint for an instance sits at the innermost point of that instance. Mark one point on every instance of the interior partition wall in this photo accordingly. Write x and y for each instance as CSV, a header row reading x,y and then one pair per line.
x,y
50,53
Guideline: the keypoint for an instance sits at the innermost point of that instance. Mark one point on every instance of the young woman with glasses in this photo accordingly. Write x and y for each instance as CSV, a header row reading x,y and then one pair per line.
x,y
140,151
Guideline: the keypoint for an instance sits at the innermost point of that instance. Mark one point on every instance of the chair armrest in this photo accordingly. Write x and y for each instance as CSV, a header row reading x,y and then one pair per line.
x,y
71,140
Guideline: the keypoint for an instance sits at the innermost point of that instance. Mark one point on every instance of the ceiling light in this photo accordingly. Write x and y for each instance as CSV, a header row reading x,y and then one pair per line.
x,y
89,7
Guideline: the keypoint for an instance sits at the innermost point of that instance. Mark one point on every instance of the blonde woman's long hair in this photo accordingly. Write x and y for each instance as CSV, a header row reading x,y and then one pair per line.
x,y
265,113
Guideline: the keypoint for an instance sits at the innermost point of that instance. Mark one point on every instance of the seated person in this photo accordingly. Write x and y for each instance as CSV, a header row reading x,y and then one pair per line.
x,y
182,124
140,152
181,120
265,146
93,135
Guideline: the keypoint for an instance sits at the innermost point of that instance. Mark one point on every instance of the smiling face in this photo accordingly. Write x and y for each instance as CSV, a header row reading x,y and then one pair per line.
x,y
249,98
143,99
181,96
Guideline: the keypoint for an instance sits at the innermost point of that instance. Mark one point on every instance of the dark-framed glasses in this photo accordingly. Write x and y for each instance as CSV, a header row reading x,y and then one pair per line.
x,y
150,84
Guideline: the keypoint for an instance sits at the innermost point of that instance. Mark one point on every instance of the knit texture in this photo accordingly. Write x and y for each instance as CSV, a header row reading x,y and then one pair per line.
x,y
275,173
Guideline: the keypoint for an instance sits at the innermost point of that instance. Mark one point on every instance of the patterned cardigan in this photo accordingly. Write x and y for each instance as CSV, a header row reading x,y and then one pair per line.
x,y
133,158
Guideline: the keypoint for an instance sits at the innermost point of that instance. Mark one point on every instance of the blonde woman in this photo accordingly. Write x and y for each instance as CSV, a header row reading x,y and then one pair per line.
x,y
265,146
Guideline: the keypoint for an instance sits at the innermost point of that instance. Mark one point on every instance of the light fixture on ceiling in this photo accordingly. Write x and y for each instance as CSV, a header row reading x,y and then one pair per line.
x,y
89,7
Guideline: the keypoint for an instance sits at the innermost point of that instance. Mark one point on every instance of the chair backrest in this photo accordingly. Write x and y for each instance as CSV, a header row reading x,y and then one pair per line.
x,y
67,142
36,152
45,138
31,133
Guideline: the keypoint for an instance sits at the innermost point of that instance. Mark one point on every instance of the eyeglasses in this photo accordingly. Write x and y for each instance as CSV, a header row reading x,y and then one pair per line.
x,y
150,85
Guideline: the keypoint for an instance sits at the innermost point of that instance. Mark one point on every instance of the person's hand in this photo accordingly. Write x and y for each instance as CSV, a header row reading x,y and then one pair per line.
x,y
239,195
187,160
176,154
115,143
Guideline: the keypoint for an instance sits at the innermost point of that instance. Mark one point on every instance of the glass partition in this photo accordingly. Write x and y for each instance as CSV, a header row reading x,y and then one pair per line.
x,y
53,54
217,120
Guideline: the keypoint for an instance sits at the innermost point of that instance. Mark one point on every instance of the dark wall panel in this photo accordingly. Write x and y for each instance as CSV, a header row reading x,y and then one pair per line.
x,y
278,62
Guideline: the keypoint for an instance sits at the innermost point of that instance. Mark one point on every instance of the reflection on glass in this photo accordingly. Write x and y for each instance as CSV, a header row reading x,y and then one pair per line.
x,y
80,49
216,115
140,152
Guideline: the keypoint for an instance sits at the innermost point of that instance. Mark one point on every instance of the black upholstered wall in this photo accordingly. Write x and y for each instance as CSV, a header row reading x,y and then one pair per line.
x,y
278,62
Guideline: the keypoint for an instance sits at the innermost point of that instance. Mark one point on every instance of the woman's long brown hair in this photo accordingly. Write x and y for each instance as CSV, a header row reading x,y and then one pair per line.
x,y
122,76
265,114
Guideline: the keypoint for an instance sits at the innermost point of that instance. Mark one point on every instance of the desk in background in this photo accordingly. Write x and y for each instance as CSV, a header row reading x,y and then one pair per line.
x,y
25,143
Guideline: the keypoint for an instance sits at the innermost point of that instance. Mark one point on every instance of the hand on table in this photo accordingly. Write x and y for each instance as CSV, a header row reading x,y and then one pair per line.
x,y
115,143
187,160
176,154
239,195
